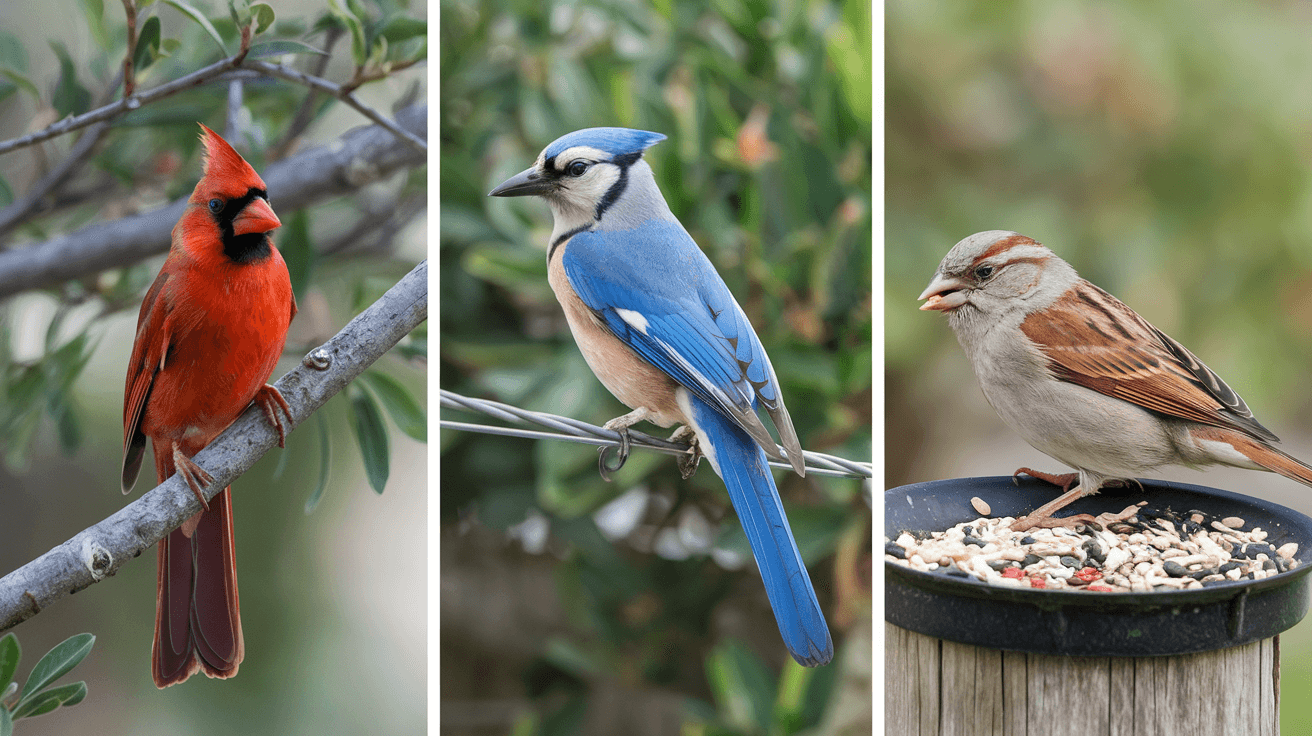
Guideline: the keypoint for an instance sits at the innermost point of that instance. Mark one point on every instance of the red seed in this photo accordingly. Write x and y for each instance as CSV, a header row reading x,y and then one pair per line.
x,y
1099,588
1088,574
1038,582
1013,572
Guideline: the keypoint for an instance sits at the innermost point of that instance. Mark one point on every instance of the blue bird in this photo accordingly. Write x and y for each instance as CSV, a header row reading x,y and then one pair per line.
x,y
660,329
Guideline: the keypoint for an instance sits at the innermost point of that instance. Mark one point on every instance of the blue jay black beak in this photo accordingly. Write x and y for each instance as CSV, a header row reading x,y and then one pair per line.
x,y
525,183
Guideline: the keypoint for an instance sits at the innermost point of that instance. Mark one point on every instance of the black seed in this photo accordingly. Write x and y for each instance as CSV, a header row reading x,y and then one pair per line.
x,y
1030,560
968,530
1071,562
974,540
1174,569
1001,565
1202,573
1027,539
895,549
1227,567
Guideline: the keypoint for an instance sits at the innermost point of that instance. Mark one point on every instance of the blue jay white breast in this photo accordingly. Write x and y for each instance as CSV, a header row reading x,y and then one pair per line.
x,y
662,332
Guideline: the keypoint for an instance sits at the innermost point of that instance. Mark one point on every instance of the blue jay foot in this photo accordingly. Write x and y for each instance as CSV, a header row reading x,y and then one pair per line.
x,y
687,463
620,425
605,468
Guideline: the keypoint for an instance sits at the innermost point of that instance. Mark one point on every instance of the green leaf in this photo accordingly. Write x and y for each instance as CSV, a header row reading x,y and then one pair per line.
x,y
294,242
282,47
69,427
10,653
23,83
742,686
371,434
13,54
201,20
325,463
400,28
359,51
147,43
263,17
400,404
70,97
58,661
41,703
95,13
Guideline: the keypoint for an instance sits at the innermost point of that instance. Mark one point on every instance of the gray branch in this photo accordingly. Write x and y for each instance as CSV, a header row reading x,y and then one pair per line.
x,y
100,550
361,156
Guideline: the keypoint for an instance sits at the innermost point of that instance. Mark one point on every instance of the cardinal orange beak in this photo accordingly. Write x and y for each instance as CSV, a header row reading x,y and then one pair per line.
x,y
256,217
943,294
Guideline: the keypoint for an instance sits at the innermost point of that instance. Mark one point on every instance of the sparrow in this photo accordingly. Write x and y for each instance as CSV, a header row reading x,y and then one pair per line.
x,y
210,331
1084,379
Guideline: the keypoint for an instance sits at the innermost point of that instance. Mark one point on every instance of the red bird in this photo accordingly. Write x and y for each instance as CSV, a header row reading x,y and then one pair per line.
x,y
209,334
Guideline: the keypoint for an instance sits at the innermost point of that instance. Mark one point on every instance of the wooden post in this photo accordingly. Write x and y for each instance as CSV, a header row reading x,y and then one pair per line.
x,y
936,687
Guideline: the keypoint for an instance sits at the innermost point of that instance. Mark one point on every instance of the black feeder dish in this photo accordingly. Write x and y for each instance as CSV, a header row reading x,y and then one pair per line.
x,y
1160,623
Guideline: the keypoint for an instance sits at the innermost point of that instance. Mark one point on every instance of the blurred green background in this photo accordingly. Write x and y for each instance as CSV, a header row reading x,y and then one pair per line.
x,y
570,605
1162,149
333,602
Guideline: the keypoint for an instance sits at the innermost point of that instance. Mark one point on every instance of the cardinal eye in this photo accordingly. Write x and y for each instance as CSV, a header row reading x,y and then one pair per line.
x,y
577,168
983,272
216,205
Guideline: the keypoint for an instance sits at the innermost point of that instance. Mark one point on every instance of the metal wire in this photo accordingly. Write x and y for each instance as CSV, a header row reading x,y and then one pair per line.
x,y
573,430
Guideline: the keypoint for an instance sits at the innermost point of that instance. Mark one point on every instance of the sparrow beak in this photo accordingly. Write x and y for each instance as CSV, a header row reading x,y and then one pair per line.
x,y
524,184
943,294
256,217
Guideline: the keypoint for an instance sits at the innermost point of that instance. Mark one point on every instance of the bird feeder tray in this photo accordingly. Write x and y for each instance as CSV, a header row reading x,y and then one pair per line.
x,y
1130,624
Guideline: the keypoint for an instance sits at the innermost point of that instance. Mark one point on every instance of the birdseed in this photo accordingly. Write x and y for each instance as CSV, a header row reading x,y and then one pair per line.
x,y
1152,550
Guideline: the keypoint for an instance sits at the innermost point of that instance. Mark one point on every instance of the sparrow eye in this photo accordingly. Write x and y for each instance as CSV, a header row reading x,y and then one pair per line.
x,y
216,205
577,168
983,273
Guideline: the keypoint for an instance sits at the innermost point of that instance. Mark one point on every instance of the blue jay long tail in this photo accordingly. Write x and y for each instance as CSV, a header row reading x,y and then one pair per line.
x,y
741,463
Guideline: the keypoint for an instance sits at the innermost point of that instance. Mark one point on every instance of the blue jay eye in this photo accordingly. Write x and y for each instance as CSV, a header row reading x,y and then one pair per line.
x,y
577,168
216,205
983,272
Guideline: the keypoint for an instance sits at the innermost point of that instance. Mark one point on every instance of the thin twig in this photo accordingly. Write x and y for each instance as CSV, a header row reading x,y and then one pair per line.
x,y
305,113
129,81
573,430
11,216
99,551
336,90
128,104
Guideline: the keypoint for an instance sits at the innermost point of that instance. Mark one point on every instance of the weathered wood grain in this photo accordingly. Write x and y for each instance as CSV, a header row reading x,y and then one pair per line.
x,y
935,687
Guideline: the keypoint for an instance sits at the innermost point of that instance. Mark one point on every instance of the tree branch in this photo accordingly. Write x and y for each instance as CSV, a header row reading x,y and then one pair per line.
x,y
361,156
101,550
336,90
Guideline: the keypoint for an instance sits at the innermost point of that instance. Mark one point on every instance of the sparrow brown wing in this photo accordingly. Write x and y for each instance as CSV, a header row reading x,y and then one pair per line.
x,y
1094,340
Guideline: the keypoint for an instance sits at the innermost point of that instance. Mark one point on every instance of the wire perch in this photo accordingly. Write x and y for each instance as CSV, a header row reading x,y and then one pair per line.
x,y
573,430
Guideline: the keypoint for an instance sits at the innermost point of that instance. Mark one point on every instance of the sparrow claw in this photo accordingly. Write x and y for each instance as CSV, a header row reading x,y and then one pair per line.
x,y
1057,479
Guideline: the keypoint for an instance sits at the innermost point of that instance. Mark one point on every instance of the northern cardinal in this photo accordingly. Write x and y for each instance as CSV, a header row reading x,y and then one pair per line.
x,y
209,333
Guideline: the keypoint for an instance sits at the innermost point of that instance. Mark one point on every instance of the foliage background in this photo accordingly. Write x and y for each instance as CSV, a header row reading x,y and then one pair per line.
x,y
1162,149
320,639
548,626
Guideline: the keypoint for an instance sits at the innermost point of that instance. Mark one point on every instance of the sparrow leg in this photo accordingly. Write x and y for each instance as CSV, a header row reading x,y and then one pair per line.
x,y
270,400
1057,479
194,474
620,425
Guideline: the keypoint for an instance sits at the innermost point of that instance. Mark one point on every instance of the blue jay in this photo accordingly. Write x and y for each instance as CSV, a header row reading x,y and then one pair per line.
x,y
658,326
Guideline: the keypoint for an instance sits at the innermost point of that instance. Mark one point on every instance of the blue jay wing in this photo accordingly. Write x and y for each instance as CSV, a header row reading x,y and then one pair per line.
x,y
656,291
742,465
